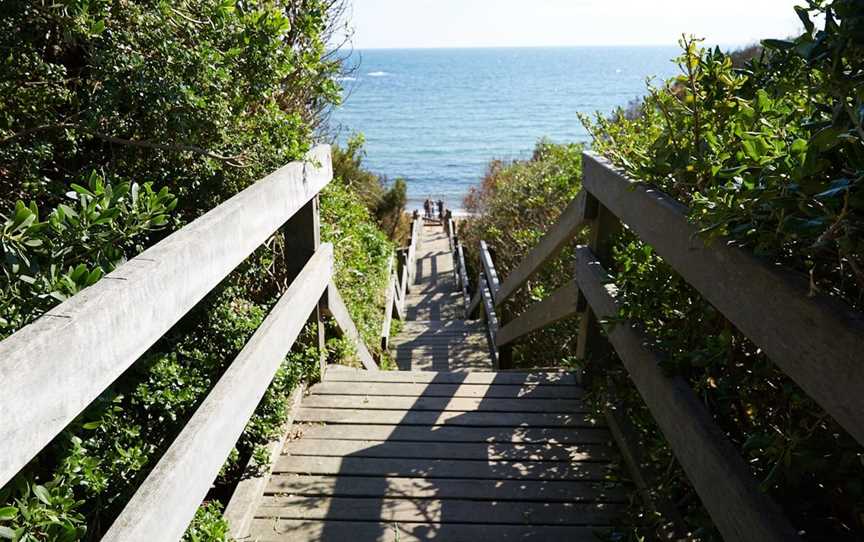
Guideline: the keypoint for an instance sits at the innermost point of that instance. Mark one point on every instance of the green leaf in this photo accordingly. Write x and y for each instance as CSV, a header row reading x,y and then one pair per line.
x,y
42,494
94,276
97,27
804,15
8,512
81,190
7,533
92,425
827,138
780,45
837,187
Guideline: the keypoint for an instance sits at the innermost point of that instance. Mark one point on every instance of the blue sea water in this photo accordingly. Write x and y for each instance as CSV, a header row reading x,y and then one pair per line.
x,y
435,117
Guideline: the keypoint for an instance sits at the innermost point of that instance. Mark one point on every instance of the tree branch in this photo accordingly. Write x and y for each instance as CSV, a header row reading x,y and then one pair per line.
x,y
235,160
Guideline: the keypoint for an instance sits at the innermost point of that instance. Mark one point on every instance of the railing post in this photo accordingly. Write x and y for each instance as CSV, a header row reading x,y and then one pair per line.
x,y
302,238
603,227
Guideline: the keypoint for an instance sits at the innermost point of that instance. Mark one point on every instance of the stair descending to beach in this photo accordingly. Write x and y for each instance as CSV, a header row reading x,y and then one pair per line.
x,y
445,448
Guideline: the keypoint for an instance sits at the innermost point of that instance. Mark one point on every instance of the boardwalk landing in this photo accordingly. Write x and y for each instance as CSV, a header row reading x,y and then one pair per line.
x,y
450,455
435,336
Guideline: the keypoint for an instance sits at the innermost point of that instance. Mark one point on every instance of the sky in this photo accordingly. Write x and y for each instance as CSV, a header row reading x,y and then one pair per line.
x,y
537,23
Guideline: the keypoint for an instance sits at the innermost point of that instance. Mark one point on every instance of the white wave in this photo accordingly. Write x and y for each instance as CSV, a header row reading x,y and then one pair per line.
x,y
340,79
377,74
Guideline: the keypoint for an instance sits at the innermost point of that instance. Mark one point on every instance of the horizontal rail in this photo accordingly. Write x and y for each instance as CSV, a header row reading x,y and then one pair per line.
x,y
390,301
559,305
565,229
241,508
463,276
489,271
718,473
491,317
815,340
165,503
52,369
336,308
412,252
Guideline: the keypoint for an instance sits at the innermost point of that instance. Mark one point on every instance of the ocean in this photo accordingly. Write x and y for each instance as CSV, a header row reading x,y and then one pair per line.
x,y
436,117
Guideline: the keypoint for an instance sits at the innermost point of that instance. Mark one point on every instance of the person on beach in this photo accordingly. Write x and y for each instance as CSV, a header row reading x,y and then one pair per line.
x,y
427,207
440,209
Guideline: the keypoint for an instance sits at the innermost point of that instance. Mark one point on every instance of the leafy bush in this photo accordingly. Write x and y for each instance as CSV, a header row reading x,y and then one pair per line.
x,y
46,260
385,200
771,156
511,210
175,107
362,252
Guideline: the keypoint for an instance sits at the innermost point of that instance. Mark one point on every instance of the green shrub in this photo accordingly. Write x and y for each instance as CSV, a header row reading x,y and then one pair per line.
x,y
362,251
516,203
176,106
771,156
385,200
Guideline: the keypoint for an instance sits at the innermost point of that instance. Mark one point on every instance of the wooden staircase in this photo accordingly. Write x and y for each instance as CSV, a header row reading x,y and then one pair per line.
x,y
444,449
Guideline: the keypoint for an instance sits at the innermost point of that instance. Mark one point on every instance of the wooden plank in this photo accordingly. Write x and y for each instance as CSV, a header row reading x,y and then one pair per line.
x,y
467,419
416,433
739,509
337,309
463,277
445,404
388,311
491,319
403,283
285,530
632,455
449,511
302,237
424,488
254,481
55,367
489,271
502,451
816,340
556,238
545,378
559,305
449,390
167,500
398,301
441,468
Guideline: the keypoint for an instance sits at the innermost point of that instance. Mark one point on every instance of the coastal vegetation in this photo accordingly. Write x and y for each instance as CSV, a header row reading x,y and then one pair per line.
x,y
766,150
119,124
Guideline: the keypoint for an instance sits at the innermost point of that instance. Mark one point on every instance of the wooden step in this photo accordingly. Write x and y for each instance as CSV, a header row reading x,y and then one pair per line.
x,y
339,373
422,488
285,530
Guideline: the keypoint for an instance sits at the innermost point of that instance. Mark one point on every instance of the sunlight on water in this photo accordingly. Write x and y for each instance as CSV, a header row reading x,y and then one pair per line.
x,y
436,117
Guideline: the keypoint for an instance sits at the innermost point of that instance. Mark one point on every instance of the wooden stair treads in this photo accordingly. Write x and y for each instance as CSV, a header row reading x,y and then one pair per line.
x,y
450,456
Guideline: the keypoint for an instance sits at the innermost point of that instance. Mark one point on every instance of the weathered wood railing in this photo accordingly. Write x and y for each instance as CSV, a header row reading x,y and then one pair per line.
x,y
814,340
401,272
487,287
52,369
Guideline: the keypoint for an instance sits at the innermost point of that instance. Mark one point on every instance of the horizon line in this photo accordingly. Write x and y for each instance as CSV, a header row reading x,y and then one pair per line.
x,y
571,46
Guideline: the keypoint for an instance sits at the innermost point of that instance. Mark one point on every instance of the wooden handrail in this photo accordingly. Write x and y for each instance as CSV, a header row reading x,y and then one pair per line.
x,y
71,359
718,473
559,305
814,339
491,318
166,501
52,369
463,275
399,284
335,307
568,225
